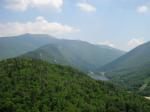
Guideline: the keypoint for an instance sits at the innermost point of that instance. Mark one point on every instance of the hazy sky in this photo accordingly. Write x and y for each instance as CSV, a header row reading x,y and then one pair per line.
x,y
123,24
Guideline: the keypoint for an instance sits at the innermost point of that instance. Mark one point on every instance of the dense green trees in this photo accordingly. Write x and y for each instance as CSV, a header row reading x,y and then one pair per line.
x,y
28,85
134,79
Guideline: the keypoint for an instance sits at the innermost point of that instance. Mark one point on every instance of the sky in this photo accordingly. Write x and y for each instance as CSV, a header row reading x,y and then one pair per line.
x,y
122,24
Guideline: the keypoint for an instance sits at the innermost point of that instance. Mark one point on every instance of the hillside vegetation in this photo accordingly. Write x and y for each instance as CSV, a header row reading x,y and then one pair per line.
x,y
28,85
132,70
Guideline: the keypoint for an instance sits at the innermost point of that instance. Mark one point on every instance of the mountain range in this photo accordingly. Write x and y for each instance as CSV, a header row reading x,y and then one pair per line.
x,y
50,74
17,45
132,69
79,54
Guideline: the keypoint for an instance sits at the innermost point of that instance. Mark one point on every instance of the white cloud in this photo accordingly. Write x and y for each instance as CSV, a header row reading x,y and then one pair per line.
x,y
39,26
142,9
86,7
107,43
135,42
22,5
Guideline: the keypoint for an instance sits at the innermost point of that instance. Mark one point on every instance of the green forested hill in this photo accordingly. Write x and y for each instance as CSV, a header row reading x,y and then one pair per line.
x,y
79,54
28,85
132,69
137,57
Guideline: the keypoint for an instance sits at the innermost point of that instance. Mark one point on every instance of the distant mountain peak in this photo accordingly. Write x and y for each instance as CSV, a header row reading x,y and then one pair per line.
x,y
30,34
132,69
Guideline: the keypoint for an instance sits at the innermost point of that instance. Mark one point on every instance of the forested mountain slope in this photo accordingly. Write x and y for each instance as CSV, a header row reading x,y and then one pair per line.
x,y
78,54
28,85
132,69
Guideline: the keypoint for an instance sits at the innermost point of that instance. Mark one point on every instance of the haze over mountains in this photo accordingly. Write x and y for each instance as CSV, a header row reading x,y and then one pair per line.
x,y
132,69
17,45
79,54
74,56
33,82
